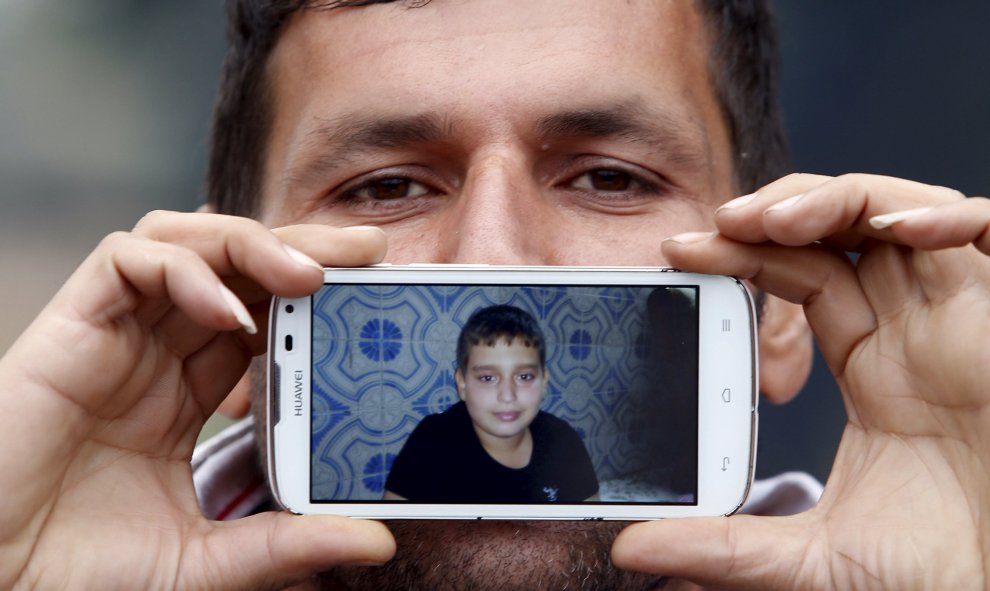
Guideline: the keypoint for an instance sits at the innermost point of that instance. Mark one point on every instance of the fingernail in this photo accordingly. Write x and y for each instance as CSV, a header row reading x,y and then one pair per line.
x,y
785,203
737,202
237,307
889,219
301,258
691,237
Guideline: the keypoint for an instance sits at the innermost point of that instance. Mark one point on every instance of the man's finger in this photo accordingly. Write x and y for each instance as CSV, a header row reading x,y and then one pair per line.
x,y
834,208
739,552
740,218
275,550
336,247
822,281
233,246
275,259
131,269
957,223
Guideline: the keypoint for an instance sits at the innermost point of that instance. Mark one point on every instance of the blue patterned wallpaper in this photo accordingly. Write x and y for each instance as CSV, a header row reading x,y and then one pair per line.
x,y
385,358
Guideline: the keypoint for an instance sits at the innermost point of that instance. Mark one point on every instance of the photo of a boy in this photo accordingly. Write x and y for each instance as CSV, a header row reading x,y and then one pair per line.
x,y
495,445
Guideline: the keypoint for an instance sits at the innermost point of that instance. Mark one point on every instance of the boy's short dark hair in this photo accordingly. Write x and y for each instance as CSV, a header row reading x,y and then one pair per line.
x,y
488,326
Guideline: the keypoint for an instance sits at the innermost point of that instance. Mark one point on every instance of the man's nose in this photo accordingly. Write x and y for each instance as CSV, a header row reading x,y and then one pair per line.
x,y
501,217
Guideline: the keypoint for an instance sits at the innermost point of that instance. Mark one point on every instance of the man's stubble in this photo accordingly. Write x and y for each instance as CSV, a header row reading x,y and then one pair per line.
x,y
496,556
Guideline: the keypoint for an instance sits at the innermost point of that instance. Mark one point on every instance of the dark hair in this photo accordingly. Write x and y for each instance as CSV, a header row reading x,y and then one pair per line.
x,y
490,325
742,62
743,65
241,116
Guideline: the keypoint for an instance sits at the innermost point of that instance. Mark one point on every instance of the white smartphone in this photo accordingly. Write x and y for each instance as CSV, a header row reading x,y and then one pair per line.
x,y
482,392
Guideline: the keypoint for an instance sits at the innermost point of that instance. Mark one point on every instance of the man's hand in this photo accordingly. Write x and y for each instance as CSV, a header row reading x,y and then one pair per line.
x,y
102,398
905,330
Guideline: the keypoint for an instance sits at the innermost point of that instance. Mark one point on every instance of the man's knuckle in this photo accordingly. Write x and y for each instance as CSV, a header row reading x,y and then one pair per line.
x,y
154,217
152,222
853,181
952,195
248,225
116,240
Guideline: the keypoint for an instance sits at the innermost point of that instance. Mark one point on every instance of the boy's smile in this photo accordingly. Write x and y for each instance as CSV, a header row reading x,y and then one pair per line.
x,y
508,416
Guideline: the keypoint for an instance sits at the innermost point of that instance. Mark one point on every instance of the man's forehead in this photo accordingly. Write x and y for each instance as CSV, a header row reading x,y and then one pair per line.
x,y
558,47
490,63
487,23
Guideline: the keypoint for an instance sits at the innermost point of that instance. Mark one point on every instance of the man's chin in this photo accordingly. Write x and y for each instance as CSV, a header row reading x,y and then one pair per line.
x,y
496,555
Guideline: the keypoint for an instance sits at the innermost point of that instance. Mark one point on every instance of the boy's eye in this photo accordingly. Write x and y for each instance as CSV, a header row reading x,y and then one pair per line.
x,y
486,378
525,377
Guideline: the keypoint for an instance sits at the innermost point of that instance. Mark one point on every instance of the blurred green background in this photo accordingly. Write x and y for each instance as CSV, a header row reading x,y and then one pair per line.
x,y
105,107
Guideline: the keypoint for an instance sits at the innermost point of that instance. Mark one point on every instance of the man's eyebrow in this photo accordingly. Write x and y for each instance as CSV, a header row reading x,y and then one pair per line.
x,y
682,141
391,132
336,142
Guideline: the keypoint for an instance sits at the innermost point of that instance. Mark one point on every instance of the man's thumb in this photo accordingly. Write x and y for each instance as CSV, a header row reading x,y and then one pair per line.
x,y
274,550
740,552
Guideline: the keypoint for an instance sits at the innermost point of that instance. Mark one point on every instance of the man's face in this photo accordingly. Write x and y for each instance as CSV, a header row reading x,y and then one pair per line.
x,y
494,131
499,131
502,387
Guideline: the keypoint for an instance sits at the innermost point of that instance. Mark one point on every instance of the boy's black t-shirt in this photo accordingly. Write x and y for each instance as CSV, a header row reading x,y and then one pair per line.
x,y
443,462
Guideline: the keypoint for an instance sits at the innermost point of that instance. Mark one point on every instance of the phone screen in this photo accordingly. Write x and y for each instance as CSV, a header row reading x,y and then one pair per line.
x,y
504,394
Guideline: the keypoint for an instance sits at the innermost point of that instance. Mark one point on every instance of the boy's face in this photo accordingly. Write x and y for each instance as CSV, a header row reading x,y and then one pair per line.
x,y
502,387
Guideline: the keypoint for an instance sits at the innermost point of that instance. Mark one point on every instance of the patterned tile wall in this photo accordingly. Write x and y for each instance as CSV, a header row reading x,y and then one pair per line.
x,y
385,358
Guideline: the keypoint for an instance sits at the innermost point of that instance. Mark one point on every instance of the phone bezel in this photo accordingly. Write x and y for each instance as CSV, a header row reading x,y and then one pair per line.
x,y
725,429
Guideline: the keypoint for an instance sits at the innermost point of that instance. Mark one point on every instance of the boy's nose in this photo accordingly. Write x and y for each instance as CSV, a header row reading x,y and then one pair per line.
x,y
507,392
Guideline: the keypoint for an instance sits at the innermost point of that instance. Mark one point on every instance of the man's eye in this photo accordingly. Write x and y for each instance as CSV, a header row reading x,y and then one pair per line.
x,y
605,179
486,379
389,188
526,377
